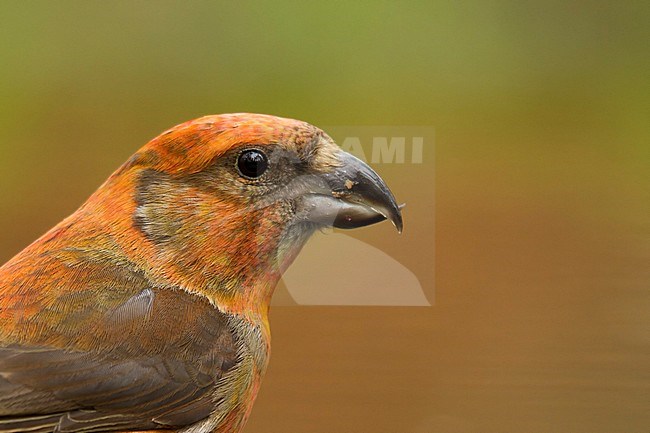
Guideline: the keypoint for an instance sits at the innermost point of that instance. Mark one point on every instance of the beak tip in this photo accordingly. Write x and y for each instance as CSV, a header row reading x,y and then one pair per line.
x,y
397,219
397,222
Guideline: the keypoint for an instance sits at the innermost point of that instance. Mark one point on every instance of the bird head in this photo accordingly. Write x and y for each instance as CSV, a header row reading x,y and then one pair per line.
x,y
222,204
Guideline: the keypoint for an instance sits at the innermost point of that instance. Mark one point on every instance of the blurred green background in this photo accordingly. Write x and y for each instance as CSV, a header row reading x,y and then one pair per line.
x,y
541,197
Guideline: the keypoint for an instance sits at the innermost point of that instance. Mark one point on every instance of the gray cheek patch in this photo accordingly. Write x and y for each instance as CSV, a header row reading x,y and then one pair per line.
x,y
152,215
162,204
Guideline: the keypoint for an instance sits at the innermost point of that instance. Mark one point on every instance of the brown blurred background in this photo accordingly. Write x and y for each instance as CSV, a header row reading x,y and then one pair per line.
x,y
541,200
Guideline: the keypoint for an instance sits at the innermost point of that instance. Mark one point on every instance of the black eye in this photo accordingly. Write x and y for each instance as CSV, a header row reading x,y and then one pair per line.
x,y
252,163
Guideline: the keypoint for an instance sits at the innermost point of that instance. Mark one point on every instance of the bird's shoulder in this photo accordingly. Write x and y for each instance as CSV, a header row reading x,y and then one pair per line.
x,y
88,340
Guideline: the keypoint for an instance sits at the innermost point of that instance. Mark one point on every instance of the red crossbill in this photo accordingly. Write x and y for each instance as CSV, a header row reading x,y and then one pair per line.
x,y
147,308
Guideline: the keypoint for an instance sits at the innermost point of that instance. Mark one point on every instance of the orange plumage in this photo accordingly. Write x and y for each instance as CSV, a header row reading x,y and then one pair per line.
x,y
147,308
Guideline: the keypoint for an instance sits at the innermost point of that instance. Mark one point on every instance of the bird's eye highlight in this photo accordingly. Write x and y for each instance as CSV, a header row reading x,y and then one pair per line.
x,y
252,163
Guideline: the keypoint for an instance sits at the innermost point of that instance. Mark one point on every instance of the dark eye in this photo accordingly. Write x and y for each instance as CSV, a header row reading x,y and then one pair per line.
x,y
252,163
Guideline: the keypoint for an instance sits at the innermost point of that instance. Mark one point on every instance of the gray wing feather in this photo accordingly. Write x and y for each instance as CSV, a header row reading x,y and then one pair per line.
x,y
165,376
63,391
